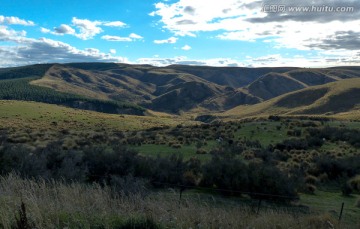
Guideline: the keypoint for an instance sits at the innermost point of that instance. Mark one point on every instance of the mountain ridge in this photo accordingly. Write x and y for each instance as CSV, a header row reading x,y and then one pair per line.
x,y
176,89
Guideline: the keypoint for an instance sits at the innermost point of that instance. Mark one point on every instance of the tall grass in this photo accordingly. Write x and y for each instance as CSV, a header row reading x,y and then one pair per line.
x,y
54,204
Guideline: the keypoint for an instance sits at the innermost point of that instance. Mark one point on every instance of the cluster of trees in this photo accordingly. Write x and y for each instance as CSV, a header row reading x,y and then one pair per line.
x,y
352,136
258,179
37,70
114,164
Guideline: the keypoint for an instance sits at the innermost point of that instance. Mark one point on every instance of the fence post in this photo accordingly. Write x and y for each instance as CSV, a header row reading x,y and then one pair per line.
x,y
258,208
341,211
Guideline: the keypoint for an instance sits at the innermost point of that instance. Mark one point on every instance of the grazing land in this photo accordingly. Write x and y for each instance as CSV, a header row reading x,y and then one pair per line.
x,y
94,145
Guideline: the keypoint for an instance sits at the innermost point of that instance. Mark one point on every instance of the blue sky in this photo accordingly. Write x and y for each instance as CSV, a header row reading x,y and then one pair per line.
x,y
199,32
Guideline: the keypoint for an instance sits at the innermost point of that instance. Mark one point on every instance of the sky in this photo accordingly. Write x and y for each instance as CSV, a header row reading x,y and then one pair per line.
x,y
244,33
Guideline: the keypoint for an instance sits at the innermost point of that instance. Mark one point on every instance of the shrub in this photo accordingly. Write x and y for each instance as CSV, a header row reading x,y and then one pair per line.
x,y
268,179
235,176
346,189
292,143
354,183
311,180
309,188
222,173
321,222
176,146
201,151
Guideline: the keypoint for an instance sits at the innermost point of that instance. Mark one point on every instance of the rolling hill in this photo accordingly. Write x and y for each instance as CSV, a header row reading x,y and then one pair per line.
x,y
175,89
340,98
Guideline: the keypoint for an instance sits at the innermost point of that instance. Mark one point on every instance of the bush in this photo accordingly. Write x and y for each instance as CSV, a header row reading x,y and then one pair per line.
x,y
201,151
336,168
311,180
229,174
292,143
357,204
234,176
309,188
269,180
354,183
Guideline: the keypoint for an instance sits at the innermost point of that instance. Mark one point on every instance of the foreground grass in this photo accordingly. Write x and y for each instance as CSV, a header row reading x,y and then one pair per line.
x,y
58,205
326,201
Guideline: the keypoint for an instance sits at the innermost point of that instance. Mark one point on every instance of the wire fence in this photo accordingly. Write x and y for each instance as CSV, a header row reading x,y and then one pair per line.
x,y
265,202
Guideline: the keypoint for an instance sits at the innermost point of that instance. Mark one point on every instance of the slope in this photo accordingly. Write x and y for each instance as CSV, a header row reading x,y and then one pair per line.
x,y
23,115
337,99
177,88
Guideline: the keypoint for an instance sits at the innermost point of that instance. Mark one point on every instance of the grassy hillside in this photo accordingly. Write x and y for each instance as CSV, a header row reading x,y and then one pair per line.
x,y
21,89
174,89
338,99
15,114
274,84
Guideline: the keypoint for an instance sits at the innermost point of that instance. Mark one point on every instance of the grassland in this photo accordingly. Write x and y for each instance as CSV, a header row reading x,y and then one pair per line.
x,y
331,202
335,100
60,205
45,116
264,131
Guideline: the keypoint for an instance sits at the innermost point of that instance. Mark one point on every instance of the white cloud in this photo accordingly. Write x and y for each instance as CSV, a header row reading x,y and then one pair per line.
x,y
131,37
112,51
45,30
64,29
245,21
7,34
15,21
170,40
88,29
23,51
61,30
135,36
182,60
114,24
186,47
115,38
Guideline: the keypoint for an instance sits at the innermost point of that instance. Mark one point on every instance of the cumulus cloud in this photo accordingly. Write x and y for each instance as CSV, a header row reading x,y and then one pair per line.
x,y
135,36
114,24
88,29
15,21
301,25
182,60
115,38
61,30
112,51
23,51
64,29
186,47
131,37
6,33
171,40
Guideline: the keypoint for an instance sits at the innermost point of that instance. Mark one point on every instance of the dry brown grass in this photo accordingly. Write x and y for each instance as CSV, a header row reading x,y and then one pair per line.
x,y
58,205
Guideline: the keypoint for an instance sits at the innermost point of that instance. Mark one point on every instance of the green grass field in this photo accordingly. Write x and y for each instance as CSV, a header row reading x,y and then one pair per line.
x,y
330,203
